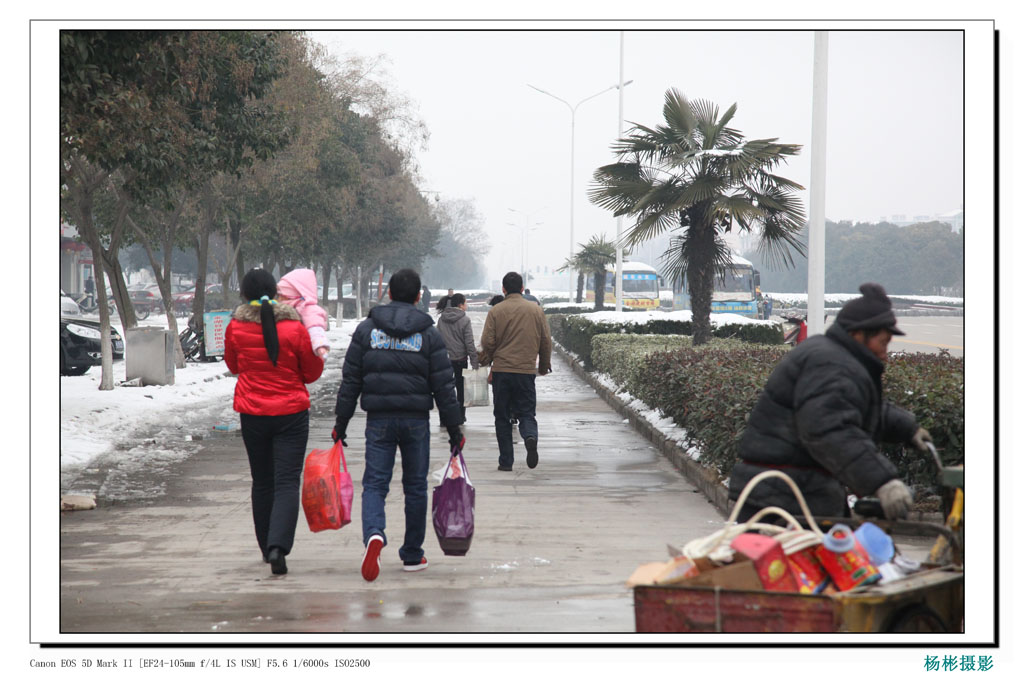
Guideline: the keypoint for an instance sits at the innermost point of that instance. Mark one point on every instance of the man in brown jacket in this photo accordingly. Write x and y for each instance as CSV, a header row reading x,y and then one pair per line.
x,y
516,343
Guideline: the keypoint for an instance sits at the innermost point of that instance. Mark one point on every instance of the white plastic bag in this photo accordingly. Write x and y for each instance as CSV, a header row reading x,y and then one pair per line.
x,y
477,390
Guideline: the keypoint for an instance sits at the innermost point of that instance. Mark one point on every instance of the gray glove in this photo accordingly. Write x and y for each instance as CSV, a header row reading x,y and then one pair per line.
x,y
895,498
921,436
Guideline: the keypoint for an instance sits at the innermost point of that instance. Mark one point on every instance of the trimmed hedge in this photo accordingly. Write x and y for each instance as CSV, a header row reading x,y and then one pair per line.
x,y
577,310
710,390
576,332
932,387
619,356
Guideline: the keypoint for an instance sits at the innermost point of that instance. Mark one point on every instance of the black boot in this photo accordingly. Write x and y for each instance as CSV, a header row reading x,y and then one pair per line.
x,y
276,559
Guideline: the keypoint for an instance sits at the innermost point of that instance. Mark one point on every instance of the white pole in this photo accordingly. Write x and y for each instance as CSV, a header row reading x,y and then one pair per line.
x,y
618,222
572,190
816,229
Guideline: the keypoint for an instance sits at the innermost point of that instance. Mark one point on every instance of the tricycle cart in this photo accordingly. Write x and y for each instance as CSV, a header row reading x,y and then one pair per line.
x,y
930,600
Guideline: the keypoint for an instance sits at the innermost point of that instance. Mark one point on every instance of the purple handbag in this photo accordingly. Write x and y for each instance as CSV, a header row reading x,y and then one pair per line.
x,y
452,507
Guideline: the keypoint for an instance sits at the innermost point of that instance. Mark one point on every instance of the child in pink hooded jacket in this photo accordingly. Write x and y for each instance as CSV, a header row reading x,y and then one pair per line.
x,y
298,289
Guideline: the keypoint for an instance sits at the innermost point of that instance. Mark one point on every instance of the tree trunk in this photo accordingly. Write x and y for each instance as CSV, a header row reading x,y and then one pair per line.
x,y
163,273
328,266
580,277
208,213
113,265
700,279
123,301
599,276
82,184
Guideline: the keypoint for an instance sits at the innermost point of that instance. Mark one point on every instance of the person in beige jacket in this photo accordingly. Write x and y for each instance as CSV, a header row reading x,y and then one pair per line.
x,y
516,343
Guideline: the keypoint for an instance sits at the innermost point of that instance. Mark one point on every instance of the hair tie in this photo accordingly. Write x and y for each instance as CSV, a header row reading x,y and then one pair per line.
x,y
259,302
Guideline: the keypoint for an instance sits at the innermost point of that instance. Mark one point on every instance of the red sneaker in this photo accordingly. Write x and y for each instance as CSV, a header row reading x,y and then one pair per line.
x,y
371,558
416,566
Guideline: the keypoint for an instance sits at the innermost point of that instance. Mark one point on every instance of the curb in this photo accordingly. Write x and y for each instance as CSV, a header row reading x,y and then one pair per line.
x,y
705,480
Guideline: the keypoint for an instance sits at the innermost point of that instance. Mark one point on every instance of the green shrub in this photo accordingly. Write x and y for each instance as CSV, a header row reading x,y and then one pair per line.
x,y
619,355
576,332
709,391
554,309
932,387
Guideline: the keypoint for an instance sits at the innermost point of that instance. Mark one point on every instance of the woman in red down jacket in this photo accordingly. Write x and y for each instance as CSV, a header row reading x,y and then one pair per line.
x,y
269,349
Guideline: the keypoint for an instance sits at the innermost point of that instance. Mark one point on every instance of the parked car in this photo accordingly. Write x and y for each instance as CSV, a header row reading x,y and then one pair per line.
x,y
68,305
80,345
182,301
145,300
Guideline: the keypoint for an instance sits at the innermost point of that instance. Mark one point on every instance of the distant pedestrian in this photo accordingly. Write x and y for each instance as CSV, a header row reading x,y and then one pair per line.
x,y
457,330
768,303
424,299
516,343
530,297
90,290
495,300
397,366
269,349
298,289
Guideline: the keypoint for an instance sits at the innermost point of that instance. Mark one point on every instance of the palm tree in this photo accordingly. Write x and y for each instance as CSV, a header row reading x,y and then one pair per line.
x,y
594,257
697,176
573,264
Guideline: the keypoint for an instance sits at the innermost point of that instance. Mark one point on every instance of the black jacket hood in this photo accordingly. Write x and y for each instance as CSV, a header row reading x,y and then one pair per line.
x,y
400,319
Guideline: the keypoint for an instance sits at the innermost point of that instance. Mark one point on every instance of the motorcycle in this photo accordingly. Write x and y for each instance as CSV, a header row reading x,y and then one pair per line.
x,y
797,333
90,304
193,343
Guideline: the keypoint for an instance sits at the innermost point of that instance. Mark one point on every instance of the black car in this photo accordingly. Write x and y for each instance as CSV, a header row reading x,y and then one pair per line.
x,y
80,345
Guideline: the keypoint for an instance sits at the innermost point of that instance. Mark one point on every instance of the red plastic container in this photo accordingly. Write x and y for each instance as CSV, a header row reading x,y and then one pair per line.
x,y
845,560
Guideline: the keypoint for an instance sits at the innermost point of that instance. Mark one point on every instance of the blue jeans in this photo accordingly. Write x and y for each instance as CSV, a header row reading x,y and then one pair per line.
x,y
412,437
276,446
515,394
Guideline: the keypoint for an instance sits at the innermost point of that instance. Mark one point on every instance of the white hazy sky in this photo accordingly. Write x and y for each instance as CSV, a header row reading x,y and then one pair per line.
x,y
895,115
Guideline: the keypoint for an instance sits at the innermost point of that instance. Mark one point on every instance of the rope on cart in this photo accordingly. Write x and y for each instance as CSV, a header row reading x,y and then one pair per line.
x,y
706,546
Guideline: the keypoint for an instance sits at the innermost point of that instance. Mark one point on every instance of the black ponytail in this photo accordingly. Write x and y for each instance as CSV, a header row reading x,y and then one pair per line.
x,y
269,326
260,288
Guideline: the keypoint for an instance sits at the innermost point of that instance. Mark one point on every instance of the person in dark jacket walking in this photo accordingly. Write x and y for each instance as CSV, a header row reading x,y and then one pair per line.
x,y
530,297
821,417
457,330
269,348
425,300
397,366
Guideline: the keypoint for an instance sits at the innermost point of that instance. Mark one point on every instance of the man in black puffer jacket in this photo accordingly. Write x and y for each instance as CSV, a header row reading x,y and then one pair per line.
x,y
398,362
821,417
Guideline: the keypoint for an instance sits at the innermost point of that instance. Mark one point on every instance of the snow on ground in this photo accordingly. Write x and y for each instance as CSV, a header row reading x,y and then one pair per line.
x,y
640,317
96,423
801,297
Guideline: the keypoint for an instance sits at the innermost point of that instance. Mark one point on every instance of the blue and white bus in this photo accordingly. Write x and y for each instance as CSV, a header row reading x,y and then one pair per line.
x,y
641,286
735,291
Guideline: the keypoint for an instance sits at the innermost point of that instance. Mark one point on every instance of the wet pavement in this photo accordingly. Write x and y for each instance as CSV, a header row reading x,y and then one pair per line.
x,y
551,553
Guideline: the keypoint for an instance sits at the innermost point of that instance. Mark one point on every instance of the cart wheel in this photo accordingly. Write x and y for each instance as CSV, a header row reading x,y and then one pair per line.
x,y
916,619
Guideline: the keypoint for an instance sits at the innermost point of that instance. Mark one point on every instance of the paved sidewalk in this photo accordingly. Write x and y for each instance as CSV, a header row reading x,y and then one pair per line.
x,y
552,550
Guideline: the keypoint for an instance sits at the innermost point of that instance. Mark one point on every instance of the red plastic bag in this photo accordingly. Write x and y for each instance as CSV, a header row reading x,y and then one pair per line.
x,y
327,489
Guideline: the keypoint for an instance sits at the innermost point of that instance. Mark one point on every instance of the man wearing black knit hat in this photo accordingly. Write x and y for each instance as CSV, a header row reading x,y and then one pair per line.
x,y
821,417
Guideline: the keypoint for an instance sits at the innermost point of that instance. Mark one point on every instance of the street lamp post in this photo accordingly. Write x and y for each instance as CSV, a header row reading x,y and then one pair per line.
x,y
524,237
572,161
